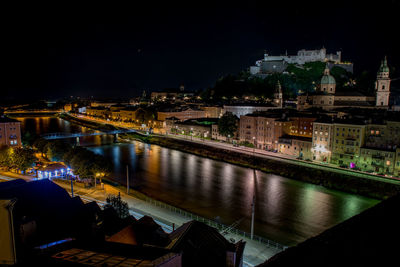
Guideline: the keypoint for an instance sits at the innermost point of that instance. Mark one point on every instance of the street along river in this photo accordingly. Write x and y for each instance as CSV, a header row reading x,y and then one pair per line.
x,y
287,211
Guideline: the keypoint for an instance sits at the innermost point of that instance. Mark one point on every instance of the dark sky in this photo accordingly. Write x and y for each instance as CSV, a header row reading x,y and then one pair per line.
x,y
53,51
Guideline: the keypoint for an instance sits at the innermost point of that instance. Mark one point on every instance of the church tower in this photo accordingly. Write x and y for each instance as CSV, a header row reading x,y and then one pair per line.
x,y
328,82
382,85
278,101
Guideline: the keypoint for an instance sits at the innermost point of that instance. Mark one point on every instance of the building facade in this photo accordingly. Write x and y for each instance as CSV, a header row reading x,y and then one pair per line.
x,y
296,146
213,111
10,132
348,138
98,112
196,128
365,146
377,160
264,131
322,141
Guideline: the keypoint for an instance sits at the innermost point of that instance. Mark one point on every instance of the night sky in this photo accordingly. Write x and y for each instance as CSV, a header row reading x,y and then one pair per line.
x,y
111,51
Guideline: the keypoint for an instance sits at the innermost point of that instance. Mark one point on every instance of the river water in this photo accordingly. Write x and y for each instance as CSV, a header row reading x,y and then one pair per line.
x,y
287,211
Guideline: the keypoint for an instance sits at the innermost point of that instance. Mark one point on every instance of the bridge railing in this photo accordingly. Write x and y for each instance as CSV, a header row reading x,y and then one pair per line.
x,y
60,135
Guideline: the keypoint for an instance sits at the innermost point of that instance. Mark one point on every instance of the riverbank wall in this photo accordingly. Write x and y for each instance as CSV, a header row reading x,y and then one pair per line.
x,y
332,180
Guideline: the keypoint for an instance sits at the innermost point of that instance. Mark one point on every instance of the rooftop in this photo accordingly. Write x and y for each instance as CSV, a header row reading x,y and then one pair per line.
x,y
354,103
363,240
348,93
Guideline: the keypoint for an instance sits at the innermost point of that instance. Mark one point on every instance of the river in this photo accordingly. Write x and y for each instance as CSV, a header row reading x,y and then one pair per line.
x,y
287,211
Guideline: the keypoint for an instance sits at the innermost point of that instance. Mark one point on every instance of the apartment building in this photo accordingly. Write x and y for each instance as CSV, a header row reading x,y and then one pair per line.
x,y
322,141
99,112
348,138
377,160
213,111
302,126
10,132
296,146
263,131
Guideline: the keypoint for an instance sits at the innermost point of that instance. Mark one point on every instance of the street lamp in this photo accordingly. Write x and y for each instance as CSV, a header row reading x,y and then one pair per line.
x,y
95,182
191,134
254,144
205,135
229,137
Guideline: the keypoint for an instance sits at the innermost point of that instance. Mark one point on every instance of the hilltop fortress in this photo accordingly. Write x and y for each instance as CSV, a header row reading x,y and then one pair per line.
x,y
277,64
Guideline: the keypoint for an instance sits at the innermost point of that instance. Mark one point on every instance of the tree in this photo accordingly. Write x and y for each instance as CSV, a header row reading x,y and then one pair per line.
x,y
40,145
100,164
5,157
341,76
120,206
55,150
22,158
28,138
85,162
227,124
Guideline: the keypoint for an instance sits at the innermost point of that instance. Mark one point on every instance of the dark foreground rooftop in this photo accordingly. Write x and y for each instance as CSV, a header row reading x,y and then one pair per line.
x,y
368,239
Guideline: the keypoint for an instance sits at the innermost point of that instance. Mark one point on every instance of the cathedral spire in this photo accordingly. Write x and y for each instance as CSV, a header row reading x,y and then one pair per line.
x,y
278,88
326,70
383,69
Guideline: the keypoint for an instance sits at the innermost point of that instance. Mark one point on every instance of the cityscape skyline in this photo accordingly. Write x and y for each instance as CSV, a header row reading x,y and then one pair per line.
x,y
254,133
121,53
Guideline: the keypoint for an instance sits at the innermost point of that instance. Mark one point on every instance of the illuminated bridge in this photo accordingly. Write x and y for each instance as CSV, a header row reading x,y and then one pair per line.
x,y
51,136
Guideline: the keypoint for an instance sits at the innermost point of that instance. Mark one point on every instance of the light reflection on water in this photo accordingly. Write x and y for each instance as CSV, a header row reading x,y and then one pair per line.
x,y
287,211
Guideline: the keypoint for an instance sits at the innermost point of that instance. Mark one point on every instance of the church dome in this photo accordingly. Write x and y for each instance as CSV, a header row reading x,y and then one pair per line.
x,y
327,78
